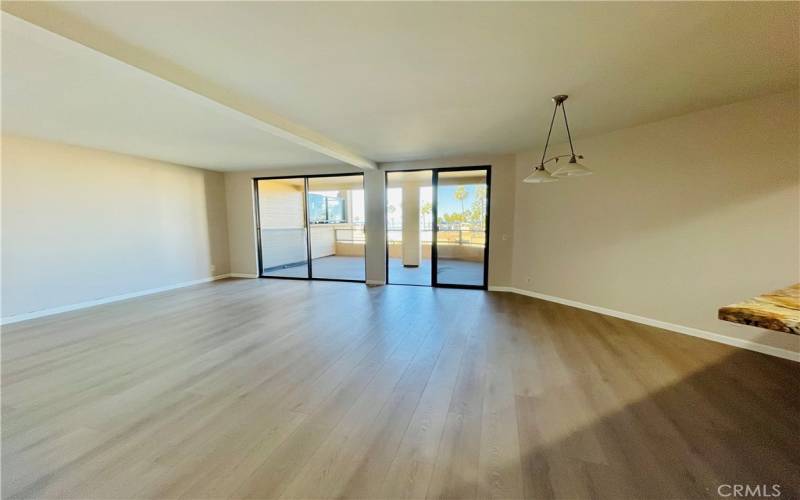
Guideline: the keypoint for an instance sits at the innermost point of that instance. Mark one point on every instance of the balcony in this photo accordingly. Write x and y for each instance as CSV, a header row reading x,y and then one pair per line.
x,y
460,253
338,251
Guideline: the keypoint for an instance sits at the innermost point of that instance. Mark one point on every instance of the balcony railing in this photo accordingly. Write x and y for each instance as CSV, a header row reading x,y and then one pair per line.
x,y
447,235
352,234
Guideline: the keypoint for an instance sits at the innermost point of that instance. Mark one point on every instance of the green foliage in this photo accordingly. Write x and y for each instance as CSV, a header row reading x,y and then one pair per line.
x,y
474,216
461,194
477,212
453,218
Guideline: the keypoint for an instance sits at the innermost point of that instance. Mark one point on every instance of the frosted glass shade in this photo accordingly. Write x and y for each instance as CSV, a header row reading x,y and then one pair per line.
x,y
538,176
571,168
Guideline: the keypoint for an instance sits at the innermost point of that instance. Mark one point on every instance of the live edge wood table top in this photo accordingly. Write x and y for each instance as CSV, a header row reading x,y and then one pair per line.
x,y
778,310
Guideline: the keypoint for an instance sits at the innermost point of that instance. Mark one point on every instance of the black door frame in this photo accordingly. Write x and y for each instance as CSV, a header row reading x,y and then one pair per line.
x,y
435,229
307,226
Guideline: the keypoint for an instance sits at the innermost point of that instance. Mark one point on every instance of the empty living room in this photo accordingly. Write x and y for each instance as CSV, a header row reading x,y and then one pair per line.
x,y
382,250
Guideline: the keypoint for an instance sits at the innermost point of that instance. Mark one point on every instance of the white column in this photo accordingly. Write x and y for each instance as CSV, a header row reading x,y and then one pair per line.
x,y
412,243
375,207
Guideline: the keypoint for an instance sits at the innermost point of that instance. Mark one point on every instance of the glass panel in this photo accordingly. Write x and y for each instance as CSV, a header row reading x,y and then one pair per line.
x,y
283,228
461,224
409,209
336,209
317,208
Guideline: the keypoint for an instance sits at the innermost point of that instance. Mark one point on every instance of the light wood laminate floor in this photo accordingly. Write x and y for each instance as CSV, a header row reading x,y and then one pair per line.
x,y
269,388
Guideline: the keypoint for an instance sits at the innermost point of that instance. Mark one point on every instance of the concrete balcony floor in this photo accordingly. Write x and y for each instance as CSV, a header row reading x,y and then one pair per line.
x,y
330,267
451,271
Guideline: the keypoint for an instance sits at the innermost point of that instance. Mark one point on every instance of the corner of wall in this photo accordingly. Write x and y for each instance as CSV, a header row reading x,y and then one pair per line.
x,y
660,242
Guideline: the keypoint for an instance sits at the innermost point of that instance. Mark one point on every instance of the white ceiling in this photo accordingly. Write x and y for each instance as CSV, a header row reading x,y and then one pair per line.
x,y
79,97
337,182
400,81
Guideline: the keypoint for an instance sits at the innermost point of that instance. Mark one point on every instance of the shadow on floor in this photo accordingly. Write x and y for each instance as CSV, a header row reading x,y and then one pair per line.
x,y
683,441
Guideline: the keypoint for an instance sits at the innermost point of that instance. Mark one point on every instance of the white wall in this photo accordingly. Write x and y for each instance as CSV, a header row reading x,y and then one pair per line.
x,y
323,240
683,216
80,224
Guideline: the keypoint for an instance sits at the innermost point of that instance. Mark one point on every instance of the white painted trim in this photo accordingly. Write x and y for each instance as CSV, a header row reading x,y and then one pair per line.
x,y
686,330
243,275
106,300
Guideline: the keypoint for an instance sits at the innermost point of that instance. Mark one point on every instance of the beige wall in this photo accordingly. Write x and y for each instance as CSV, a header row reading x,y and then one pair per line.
x,y
282,222
281,205
460,252
81,224
683,216
350,249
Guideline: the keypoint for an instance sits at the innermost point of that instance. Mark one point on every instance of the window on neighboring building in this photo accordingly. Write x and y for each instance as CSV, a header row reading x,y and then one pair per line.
x,y
324,208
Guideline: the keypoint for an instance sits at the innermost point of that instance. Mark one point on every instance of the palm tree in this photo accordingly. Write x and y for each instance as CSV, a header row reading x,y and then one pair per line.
x,y
478,209
461,194
425,210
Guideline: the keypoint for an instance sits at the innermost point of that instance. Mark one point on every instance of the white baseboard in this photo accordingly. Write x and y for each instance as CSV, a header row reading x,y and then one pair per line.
x,y
242,275
686,330
106,300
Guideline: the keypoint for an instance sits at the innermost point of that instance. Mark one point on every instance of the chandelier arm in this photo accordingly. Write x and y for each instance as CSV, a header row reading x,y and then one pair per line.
x,y
556,158
547,143
569,136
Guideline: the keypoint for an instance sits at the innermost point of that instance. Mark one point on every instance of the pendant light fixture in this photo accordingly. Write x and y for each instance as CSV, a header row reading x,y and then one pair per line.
x,y
564,168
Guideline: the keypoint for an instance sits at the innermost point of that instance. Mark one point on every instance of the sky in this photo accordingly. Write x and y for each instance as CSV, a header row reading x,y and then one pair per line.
x,y
447,200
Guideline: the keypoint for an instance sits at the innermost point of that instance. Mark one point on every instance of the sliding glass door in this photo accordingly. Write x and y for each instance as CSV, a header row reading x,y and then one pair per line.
x,y
283,231
409,227
336,220
462,209
311,227
437,227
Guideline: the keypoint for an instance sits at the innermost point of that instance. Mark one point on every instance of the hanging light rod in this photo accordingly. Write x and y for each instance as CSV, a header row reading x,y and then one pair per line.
x,y
569,168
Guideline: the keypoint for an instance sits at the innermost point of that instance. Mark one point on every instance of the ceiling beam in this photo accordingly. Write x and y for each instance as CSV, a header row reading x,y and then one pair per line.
x,y
46,22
